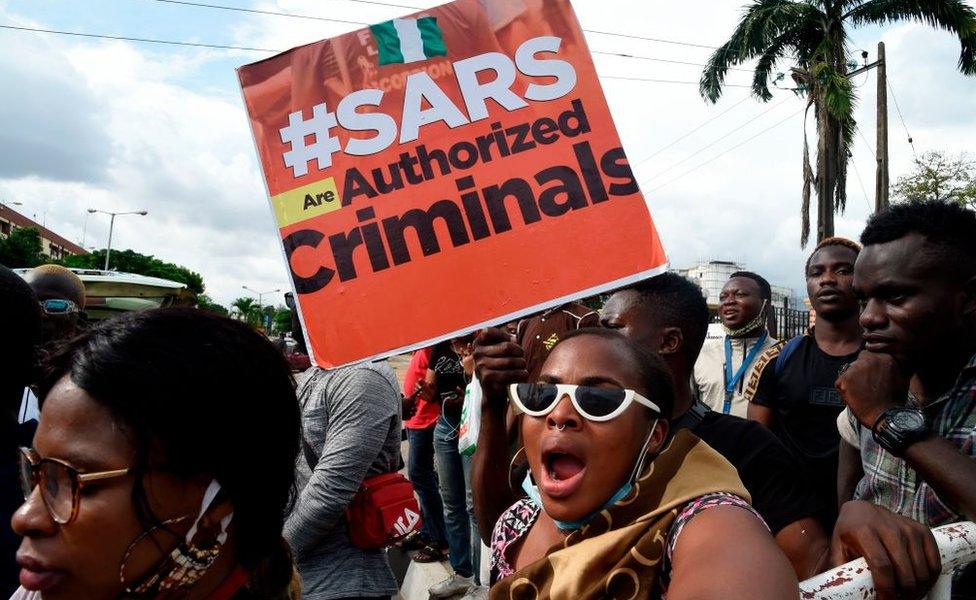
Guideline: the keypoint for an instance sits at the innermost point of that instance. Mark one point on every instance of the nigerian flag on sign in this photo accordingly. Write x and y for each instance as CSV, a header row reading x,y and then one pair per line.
x,y
408,40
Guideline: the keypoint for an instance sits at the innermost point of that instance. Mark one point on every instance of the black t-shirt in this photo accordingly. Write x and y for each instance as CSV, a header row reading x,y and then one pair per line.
x,y
801,393
767,469
446,365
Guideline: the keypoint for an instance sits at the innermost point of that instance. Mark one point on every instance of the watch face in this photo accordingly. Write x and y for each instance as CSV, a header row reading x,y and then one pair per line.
x,y
908,420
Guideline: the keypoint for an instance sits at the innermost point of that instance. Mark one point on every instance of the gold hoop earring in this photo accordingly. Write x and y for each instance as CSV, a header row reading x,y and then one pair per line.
x,y
511,467
135,542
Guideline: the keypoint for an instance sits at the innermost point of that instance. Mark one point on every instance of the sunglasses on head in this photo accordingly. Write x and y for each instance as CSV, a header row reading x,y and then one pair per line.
x,y
57,306
592,403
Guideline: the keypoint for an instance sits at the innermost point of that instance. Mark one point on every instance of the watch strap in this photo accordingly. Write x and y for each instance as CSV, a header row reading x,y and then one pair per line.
x,y
893,440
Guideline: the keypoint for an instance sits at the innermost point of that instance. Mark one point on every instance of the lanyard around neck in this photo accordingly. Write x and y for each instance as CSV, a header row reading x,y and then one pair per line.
x,y
731,381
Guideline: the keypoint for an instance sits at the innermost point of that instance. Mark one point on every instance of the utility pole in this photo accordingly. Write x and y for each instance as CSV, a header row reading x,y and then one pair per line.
x,y
881,179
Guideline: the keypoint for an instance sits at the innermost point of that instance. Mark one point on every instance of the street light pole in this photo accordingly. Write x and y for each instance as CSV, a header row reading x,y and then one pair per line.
x,y
111,226
260,296
108,248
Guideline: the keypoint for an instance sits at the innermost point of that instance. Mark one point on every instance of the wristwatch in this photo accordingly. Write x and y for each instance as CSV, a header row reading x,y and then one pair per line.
x,y
898,428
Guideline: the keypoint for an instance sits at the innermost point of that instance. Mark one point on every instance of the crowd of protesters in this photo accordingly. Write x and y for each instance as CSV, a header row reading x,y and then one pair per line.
x,y
173,453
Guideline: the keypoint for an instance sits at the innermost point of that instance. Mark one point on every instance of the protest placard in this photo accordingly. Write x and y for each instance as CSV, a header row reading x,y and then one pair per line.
x,y
443,171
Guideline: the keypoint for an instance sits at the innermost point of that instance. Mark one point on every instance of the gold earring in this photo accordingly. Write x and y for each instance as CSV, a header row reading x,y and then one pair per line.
x,y
163,526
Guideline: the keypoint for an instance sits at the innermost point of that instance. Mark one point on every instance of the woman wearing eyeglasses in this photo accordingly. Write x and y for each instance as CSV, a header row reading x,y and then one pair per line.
x,y
163,464
614,509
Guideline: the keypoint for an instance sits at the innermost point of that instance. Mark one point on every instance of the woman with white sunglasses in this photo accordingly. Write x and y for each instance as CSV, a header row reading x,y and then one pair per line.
x,y
614,508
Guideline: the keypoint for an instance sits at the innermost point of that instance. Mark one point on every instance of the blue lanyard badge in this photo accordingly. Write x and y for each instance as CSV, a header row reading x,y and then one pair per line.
x,y
732,381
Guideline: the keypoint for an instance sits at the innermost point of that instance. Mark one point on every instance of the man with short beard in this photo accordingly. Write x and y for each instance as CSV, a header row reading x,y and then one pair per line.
x,y
792,389
667,314
911,395
725,366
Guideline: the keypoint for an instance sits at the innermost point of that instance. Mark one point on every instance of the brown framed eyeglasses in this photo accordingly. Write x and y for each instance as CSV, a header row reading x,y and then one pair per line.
x,y
60,483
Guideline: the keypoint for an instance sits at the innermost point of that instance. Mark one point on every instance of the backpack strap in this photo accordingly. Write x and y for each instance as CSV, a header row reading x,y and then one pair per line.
x,y
785,354
692,418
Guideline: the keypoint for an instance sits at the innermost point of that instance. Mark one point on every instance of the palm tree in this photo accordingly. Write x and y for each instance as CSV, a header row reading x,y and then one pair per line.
x,y
247,310
813,33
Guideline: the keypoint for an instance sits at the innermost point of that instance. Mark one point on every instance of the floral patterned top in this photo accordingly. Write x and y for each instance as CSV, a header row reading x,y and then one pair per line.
x,y
516,522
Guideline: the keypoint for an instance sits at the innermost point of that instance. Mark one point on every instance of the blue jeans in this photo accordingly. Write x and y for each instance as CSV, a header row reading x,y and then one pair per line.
x,y
467,461
455,476
420,470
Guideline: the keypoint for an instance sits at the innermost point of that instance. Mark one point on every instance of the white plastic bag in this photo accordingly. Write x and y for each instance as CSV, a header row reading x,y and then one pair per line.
x,y
470,426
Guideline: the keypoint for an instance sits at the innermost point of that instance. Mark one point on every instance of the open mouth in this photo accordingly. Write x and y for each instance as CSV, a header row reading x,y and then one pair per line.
x,y
730,314
562,473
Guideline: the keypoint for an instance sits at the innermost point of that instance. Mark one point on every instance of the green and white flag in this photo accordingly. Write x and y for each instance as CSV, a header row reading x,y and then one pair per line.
x,y
408,40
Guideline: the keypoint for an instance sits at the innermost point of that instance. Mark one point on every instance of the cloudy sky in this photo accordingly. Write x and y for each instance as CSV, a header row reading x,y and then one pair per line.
x,y
119,125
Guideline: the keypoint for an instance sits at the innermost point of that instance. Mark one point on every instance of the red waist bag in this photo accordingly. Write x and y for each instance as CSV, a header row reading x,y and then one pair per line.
x,y
383,512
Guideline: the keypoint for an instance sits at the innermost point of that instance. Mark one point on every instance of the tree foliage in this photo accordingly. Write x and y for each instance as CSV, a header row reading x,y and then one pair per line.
x,y
130,261
282,319
246,309
812,36
22,249
939,177
205,302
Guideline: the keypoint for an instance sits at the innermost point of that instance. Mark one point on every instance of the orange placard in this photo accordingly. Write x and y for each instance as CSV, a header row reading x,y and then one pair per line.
x,y
436,173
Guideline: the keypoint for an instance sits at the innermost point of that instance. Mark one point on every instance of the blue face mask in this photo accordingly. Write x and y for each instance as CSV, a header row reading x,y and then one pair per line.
x,y
532,491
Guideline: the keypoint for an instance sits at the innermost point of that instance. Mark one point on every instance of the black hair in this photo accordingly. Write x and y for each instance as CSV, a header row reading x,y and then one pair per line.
x,y
216,399
765,292
676,302
949,229
21,336
654,374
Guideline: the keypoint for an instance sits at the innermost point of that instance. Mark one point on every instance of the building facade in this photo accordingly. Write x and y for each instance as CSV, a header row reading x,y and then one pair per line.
x,y
712,275
789,316
52,244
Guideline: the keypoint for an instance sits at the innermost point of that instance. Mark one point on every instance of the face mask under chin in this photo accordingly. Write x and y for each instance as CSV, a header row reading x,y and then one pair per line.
x,y
532,491
187,562
752,325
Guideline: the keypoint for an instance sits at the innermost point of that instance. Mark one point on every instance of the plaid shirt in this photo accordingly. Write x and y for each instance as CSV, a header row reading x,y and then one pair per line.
x,y
889,481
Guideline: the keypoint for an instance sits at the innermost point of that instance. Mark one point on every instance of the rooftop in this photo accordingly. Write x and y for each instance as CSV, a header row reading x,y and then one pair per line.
x,y
19,220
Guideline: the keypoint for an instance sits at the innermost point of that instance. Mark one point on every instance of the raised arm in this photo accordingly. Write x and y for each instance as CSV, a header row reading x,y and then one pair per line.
x,y
498,362
874,383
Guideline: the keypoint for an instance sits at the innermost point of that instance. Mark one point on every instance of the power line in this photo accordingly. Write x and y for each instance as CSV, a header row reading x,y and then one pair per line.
x,y
644,160
867,144
269,50
859,181
349,22
717,156
627,78
259,12
902,119
136,39
663,60
374,2
713,142
650,39
394,5
850,159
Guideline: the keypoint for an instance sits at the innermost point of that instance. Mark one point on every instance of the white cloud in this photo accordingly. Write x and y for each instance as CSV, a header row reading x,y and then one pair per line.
x,y
45,102
128,130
